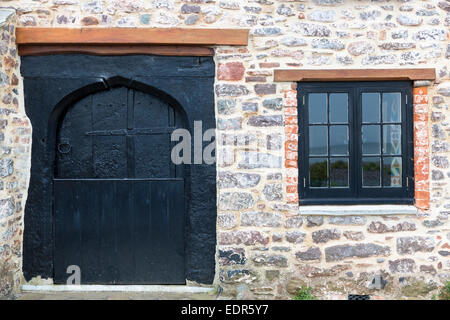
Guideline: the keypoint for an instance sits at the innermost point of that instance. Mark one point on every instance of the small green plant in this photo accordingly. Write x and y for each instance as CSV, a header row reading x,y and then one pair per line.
x,y
304,293
444,293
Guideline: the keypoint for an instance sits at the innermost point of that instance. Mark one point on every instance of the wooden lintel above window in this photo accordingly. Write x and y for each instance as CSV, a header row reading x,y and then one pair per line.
x,y
118,41
355,74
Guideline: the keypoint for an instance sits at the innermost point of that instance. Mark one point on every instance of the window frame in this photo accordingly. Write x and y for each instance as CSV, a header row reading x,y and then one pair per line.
x,y
355,194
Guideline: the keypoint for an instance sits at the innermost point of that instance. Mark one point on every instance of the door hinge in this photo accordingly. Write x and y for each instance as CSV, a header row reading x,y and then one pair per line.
x,y
407,182
304,182
303,100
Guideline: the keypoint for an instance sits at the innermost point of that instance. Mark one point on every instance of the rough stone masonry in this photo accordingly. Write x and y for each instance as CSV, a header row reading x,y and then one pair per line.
x,y
264,242
15,143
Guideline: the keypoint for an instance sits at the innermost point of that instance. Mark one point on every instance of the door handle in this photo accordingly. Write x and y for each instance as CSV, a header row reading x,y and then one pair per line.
x,y
64,148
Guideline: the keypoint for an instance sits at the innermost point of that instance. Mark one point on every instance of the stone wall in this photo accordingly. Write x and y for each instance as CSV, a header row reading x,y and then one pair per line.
x,y
263,241
15,138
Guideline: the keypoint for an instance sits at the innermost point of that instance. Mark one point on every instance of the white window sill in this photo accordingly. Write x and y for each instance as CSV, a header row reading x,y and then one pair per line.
x,y
358,210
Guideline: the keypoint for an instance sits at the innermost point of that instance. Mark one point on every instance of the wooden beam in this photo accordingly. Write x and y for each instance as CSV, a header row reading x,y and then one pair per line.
x,y
355,74
129,36
113,50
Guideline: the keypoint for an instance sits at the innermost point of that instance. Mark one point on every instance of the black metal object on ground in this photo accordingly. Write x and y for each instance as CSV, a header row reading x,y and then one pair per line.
x,y
358,297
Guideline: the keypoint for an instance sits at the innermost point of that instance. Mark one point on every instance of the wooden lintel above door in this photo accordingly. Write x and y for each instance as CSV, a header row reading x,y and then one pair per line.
x,y
119,41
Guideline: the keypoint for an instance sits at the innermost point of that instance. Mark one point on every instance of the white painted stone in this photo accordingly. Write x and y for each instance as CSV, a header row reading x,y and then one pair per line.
x,y
346,210
116,288
5,14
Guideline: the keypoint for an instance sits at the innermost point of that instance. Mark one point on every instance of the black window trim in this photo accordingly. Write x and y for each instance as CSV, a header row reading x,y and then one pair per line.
x,y
355,194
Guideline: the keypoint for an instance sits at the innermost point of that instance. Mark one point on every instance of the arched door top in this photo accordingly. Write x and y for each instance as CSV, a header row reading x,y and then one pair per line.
x,y
122,131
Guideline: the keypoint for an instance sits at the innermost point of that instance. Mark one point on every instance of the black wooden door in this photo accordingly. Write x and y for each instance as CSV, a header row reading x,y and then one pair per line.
x,y
118,198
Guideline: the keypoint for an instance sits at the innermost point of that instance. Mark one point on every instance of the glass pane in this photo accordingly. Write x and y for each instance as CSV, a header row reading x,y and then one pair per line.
x,y
318,140
391,107
338,140
370,107
318,173
338,107
339,172
392,172
371,176
392,139
371,139
317,108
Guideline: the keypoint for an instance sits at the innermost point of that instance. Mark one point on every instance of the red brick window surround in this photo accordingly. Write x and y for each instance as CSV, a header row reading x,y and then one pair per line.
x,y
420,129
421,148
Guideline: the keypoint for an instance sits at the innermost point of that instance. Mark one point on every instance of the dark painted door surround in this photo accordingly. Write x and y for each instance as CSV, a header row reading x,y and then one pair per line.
x,y
104,194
